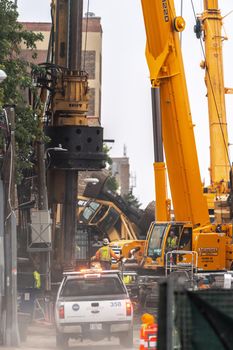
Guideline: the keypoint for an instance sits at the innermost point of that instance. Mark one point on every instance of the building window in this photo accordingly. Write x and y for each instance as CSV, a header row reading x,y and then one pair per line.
x,y
89,62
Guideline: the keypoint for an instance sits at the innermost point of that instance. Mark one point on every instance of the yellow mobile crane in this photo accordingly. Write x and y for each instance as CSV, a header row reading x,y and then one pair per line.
x,y
173,125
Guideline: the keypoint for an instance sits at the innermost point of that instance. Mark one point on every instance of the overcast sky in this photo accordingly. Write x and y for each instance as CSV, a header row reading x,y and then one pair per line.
x,y
126,106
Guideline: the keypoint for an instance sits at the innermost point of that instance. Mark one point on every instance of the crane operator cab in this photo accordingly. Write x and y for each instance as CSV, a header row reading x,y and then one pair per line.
x,y
166,237
205,248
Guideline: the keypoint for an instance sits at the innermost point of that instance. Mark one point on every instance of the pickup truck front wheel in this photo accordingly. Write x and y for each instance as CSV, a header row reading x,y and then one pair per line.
x,y
61,341
126,339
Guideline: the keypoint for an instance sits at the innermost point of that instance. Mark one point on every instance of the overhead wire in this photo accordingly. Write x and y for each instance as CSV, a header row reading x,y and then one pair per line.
x,y
181,13
212,90
229,13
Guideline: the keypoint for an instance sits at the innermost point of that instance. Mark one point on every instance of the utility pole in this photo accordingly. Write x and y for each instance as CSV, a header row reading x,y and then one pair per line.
x,y
11,337
43,205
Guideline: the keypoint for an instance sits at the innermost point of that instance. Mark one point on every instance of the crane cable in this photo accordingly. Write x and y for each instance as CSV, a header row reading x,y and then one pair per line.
x,y
181,14
86,29
212,90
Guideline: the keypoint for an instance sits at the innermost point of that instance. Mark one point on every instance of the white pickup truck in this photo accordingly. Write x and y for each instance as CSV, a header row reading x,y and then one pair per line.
x,y
93,304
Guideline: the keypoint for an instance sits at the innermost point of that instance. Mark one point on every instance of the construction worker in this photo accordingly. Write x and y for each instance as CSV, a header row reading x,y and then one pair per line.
x,y
172,240
104,255
148,332
37,279
127,279
203,283
171,245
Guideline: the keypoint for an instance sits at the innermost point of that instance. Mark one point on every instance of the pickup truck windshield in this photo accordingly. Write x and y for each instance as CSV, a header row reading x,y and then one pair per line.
x,y
92,287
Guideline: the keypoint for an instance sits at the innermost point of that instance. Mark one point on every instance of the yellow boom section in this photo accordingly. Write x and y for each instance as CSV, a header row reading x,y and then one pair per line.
x,y
213,39
167,73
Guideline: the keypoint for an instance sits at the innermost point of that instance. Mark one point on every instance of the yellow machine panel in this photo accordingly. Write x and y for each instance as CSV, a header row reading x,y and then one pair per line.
x,y
211,249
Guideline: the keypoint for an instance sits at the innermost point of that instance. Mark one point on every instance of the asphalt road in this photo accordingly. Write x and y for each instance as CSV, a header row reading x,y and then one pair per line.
x,y
42,337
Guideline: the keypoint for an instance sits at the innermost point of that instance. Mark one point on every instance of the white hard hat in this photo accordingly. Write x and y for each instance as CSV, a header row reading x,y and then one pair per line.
x,y
105,241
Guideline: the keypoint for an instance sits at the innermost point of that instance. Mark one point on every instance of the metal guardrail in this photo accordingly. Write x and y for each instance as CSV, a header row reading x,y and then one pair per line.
x,y
172,265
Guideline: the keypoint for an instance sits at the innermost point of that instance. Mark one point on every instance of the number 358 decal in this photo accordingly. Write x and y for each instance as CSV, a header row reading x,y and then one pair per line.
x,y
115,304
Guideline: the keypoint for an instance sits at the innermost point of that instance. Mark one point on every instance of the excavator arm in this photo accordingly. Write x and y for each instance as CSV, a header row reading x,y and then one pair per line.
x,y
167,77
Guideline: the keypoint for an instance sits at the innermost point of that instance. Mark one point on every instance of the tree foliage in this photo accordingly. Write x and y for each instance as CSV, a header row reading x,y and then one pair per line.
x,y
132,200
14,90
106,150
111,183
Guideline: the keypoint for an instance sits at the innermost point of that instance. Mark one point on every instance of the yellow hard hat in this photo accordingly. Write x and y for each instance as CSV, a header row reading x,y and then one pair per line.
x,y
148,319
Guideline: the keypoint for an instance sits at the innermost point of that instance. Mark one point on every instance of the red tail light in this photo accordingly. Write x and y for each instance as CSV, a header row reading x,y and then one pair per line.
x,y
61,311
128,308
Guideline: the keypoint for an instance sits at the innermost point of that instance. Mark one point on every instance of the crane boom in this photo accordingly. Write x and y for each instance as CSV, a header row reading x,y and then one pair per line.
x,y
165,64
211,25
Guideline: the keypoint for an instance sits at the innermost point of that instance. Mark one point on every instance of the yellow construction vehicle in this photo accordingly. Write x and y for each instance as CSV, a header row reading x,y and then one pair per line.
x,y
102,213
98,218
108,219
211,242
132,250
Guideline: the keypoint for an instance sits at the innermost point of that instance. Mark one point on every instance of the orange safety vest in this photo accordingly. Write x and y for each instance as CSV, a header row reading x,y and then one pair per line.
x,y
150,337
